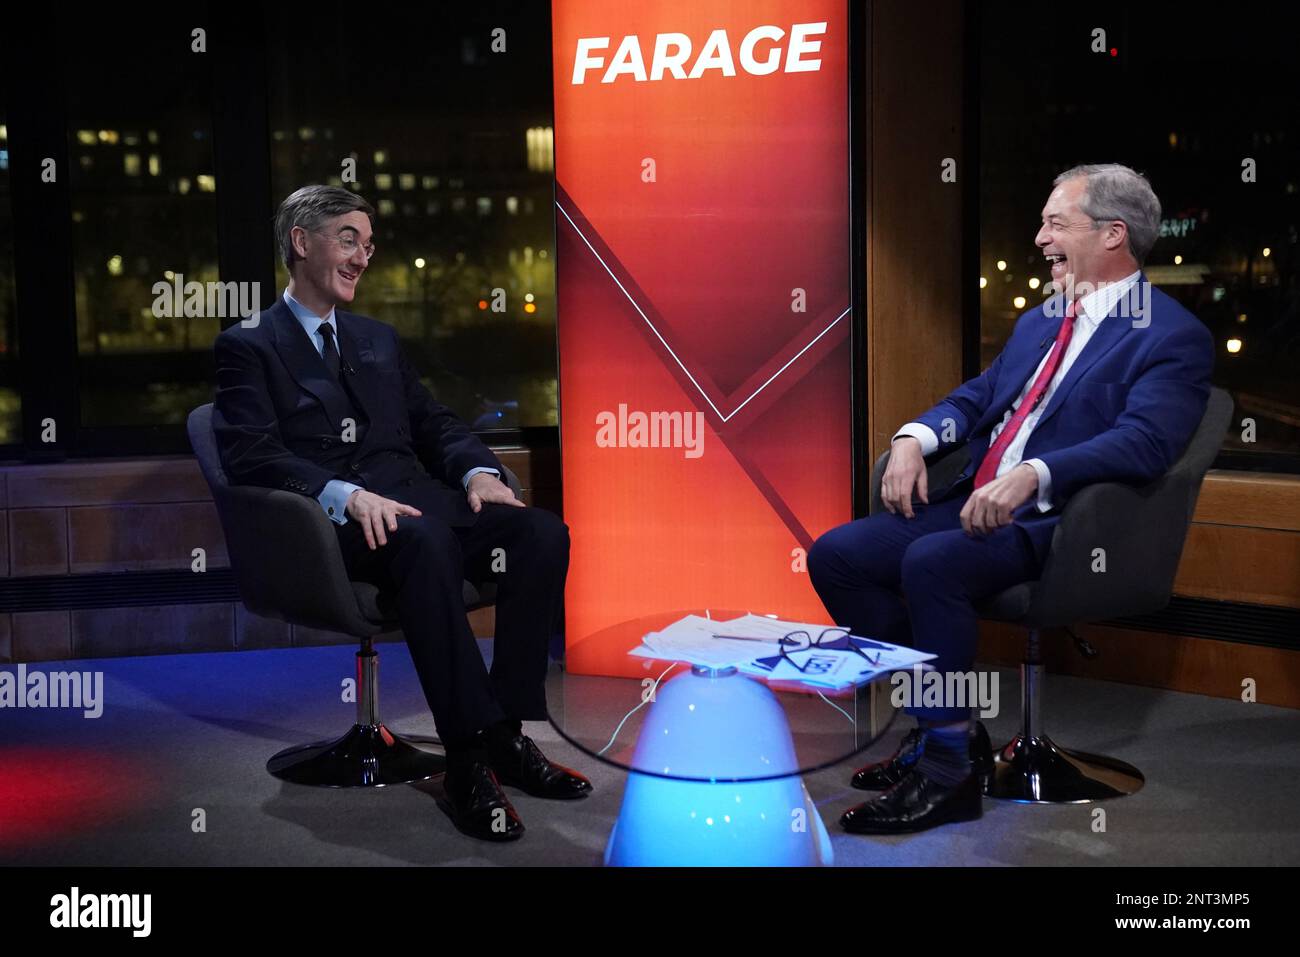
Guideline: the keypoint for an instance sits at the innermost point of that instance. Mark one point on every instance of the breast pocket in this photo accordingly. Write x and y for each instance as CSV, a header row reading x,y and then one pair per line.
x,y
1106,399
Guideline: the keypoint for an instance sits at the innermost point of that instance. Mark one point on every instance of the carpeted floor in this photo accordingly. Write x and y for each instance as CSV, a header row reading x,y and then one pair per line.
x,y
173,773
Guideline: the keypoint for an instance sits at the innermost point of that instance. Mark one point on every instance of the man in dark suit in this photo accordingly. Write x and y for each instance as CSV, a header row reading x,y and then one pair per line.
x,y
1104,382
324,403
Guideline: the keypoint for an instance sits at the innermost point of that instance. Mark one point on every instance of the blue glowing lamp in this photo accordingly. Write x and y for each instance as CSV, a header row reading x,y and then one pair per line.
x,y
684,808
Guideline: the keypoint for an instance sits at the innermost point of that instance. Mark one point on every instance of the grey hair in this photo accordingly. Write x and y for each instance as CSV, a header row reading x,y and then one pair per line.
x,y
1111,192
309,207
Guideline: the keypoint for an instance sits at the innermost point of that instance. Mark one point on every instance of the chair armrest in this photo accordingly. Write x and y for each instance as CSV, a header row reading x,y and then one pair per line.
x,y
287,561
939,473
512,480
1140,532
1136,534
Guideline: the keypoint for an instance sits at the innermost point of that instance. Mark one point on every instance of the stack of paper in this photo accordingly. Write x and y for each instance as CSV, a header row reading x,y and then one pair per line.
x,y
751,643
691,639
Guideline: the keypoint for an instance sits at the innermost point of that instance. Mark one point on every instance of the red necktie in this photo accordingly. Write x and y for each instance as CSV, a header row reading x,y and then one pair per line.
x,y
989,467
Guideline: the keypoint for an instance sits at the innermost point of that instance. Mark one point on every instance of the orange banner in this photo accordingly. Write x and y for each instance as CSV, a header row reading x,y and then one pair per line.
x,y
702,165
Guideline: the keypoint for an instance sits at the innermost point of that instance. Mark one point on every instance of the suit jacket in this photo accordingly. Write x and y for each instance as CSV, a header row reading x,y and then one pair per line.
x,y
1124,412
278,415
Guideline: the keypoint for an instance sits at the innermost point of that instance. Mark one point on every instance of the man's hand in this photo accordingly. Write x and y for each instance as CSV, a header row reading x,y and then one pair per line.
x,y
486,487
375,513
904,471
990,506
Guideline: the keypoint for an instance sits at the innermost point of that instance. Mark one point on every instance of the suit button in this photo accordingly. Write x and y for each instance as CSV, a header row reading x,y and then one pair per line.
x,y
324,443
354,467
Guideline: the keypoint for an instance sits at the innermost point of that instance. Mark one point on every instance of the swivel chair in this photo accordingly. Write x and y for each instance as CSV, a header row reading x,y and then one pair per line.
x,y
1141,532
286,559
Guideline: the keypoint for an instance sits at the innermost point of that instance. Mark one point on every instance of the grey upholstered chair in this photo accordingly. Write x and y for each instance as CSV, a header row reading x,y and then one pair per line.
x,y
288,565
1142,531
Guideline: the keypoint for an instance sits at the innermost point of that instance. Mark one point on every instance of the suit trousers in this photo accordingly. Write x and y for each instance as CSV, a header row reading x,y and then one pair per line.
x,y
915,582
424,564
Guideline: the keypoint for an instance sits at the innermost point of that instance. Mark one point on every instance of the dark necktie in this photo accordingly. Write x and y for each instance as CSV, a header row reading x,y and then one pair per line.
x,y
989,467
334,363
330,353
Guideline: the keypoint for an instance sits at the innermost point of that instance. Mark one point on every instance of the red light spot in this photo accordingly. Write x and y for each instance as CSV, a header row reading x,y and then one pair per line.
x,y
1114,51
48,793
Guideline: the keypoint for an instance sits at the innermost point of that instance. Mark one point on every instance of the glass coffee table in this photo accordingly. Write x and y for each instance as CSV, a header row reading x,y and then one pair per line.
x,y
715,757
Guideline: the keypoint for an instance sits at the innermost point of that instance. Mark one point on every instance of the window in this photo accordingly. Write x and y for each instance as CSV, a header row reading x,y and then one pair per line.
x,y
1188,112
444,135
143,213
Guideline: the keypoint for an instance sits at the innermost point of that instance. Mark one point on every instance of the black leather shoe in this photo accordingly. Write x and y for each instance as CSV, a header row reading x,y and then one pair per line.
x,y
477,806
887,773
915,804
521,764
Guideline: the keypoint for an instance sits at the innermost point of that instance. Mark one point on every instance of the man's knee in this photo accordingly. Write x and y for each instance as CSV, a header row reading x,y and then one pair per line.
x,y
927,564
427,532
549,529
540,530
554,532
849,551
824,556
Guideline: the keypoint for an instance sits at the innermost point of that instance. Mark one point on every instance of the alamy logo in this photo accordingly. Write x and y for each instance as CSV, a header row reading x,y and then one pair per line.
x,y
207,300
58,689
953,689
1134,304
74,909
651,430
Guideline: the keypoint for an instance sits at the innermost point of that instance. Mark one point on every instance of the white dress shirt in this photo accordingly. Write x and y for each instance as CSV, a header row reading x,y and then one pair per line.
x,y
1089,314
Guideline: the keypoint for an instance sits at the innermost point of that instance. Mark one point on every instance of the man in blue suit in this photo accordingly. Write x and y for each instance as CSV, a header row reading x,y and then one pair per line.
x,y
1104,382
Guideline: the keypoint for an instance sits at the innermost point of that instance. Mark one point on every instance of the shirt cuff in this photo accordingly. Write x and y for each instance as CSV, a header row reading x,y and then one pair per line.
x,y
334,499
1044,484
923,434
472,472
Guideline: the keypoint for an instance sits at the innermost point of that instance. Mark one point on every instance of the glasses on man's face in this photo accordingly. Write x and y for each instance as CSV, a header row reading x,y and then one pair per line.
x,y
347,241
832,639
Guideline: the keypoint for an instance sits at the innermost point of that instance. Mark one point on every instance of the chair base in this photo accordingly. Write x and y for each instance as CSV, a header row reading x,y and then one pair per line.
x,y
1037,771
368,756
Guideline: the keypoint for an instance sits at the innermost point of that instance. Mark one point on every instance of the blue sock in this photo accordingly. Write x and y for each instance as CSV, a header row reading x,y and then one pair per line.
x,y
946,758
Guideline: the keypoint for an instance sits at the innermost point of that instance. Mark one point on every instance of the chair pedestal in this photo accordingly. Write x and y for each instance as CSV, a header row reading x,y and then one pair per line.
x,y
1032,769
369,755
1038,771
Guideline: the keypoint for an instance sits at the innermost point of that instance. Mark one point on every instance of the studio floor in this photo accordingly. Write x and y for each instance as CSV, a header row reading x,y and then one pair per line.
x,y
184,740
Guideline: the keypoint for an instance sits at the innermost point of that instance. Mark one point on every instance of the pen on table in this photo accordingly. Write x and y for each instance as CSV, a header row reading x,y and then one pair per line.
x,y
769,641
